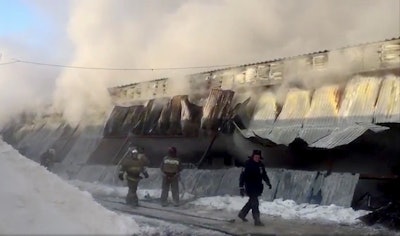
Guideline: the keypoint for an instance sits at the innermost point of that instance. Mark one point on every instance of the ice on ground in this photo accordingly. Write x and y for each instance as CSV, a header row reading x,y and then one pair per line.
x,y
35,201
156,227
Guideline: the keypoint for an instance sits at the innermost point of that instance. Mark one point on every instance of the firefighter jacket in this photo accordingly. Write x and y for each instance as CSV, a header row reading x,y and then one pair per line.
x,y
133,166
171,166
252,176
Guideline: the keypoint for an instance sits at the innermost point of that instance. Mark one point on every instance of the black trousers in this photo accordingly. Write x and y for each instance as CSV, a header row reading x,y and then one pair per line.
x,y
252,204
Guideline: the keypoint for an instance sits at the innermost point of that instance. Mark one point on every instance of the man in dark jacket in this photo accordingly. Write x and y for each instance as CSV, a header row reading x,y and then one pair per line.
x,y
251,179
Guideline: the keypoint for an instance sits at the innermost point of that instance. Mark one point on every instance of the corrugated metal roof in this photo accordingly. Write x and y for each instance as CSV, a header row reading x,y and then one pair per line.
x,y
359,100
313,134
321,137
263,132
324,107
340,136
321,123
284,135
296,106
216,108
264,112
288,124
388,104
373,127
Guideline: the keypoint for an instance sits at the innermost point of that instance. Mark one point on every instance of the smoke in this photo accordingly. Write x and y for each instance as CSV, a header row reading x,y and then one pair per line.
x,y
22,88
184,33
31,32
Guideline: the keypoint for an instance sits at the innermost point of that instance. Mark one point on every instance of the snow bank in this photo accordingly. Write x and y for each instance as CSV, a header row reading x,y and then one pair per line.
x,y
286,209
35,201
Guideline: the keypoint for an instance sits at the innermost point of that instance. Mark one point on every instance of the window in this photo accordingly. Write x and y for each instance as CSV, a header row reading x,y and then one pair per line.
x,y
275,71
319,61
263,72
390,52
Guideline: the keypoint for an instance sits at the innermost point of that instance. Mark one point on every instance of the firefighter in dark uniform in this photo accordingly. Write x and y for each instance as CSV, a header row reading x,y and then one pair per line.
x,y
132,166
250,182
170,168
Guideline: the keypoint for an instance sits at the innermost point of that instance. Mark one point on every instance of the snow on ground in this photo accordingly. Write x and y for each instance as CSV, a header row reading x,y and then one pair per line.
x,y
286,209
35,201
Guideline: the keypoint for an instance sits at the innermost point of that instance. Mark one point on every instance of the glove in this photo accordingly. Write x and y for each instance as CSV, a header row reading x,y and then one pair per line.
x,y
121,176
242,192
269,186
146,175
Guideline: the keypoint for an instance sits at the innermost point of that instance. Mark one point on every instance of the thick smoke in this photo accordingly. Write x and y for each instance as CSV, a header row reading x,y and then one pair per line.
x,y
163,34
24,87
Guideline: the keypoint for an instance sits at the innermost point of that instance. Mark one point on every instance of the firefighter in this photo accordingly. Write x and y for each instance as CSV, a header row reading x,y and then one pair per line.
x,y
250,182
170,168
132,166
47,158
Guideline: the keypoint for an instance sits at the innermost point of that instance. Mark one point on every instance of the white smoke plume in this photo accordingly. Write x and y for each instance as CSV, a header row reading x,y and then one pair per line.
x,y
179,33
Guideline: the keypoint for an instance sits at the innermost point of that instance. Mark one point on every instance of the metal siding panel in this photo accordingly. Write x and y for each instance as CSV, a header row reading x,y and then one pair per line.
x,y
388,105
359,100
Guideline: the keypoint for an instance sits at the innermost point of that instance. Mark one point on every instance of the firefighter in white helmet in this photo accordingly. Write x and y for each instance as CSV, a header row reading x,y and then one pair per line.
x,y
132,166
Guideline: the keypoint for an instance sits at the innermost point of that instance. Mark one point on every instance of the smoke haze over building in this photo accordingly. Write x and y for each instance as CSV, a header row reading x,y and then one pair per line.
x,y
164,34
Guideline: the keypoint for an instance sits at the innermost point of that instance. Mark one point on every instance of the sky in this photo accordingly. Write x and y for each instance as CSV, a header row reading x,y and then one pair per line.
x,y
36,201
158,34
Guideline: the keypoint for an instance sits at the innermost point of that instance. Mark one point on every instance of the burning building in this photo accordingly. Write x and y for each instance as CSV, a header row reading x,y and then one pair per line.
x,y
323,101
330,111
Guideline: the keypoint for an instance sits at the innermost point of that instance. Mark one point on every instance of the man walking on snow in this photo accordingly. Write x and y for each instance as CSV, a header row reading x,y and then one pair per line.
x,y
250,182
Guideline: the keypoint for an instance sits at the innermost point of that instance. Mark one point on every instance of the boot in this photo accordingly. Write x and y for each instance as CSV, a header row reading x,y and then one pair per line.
x,y
242,217
257,221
